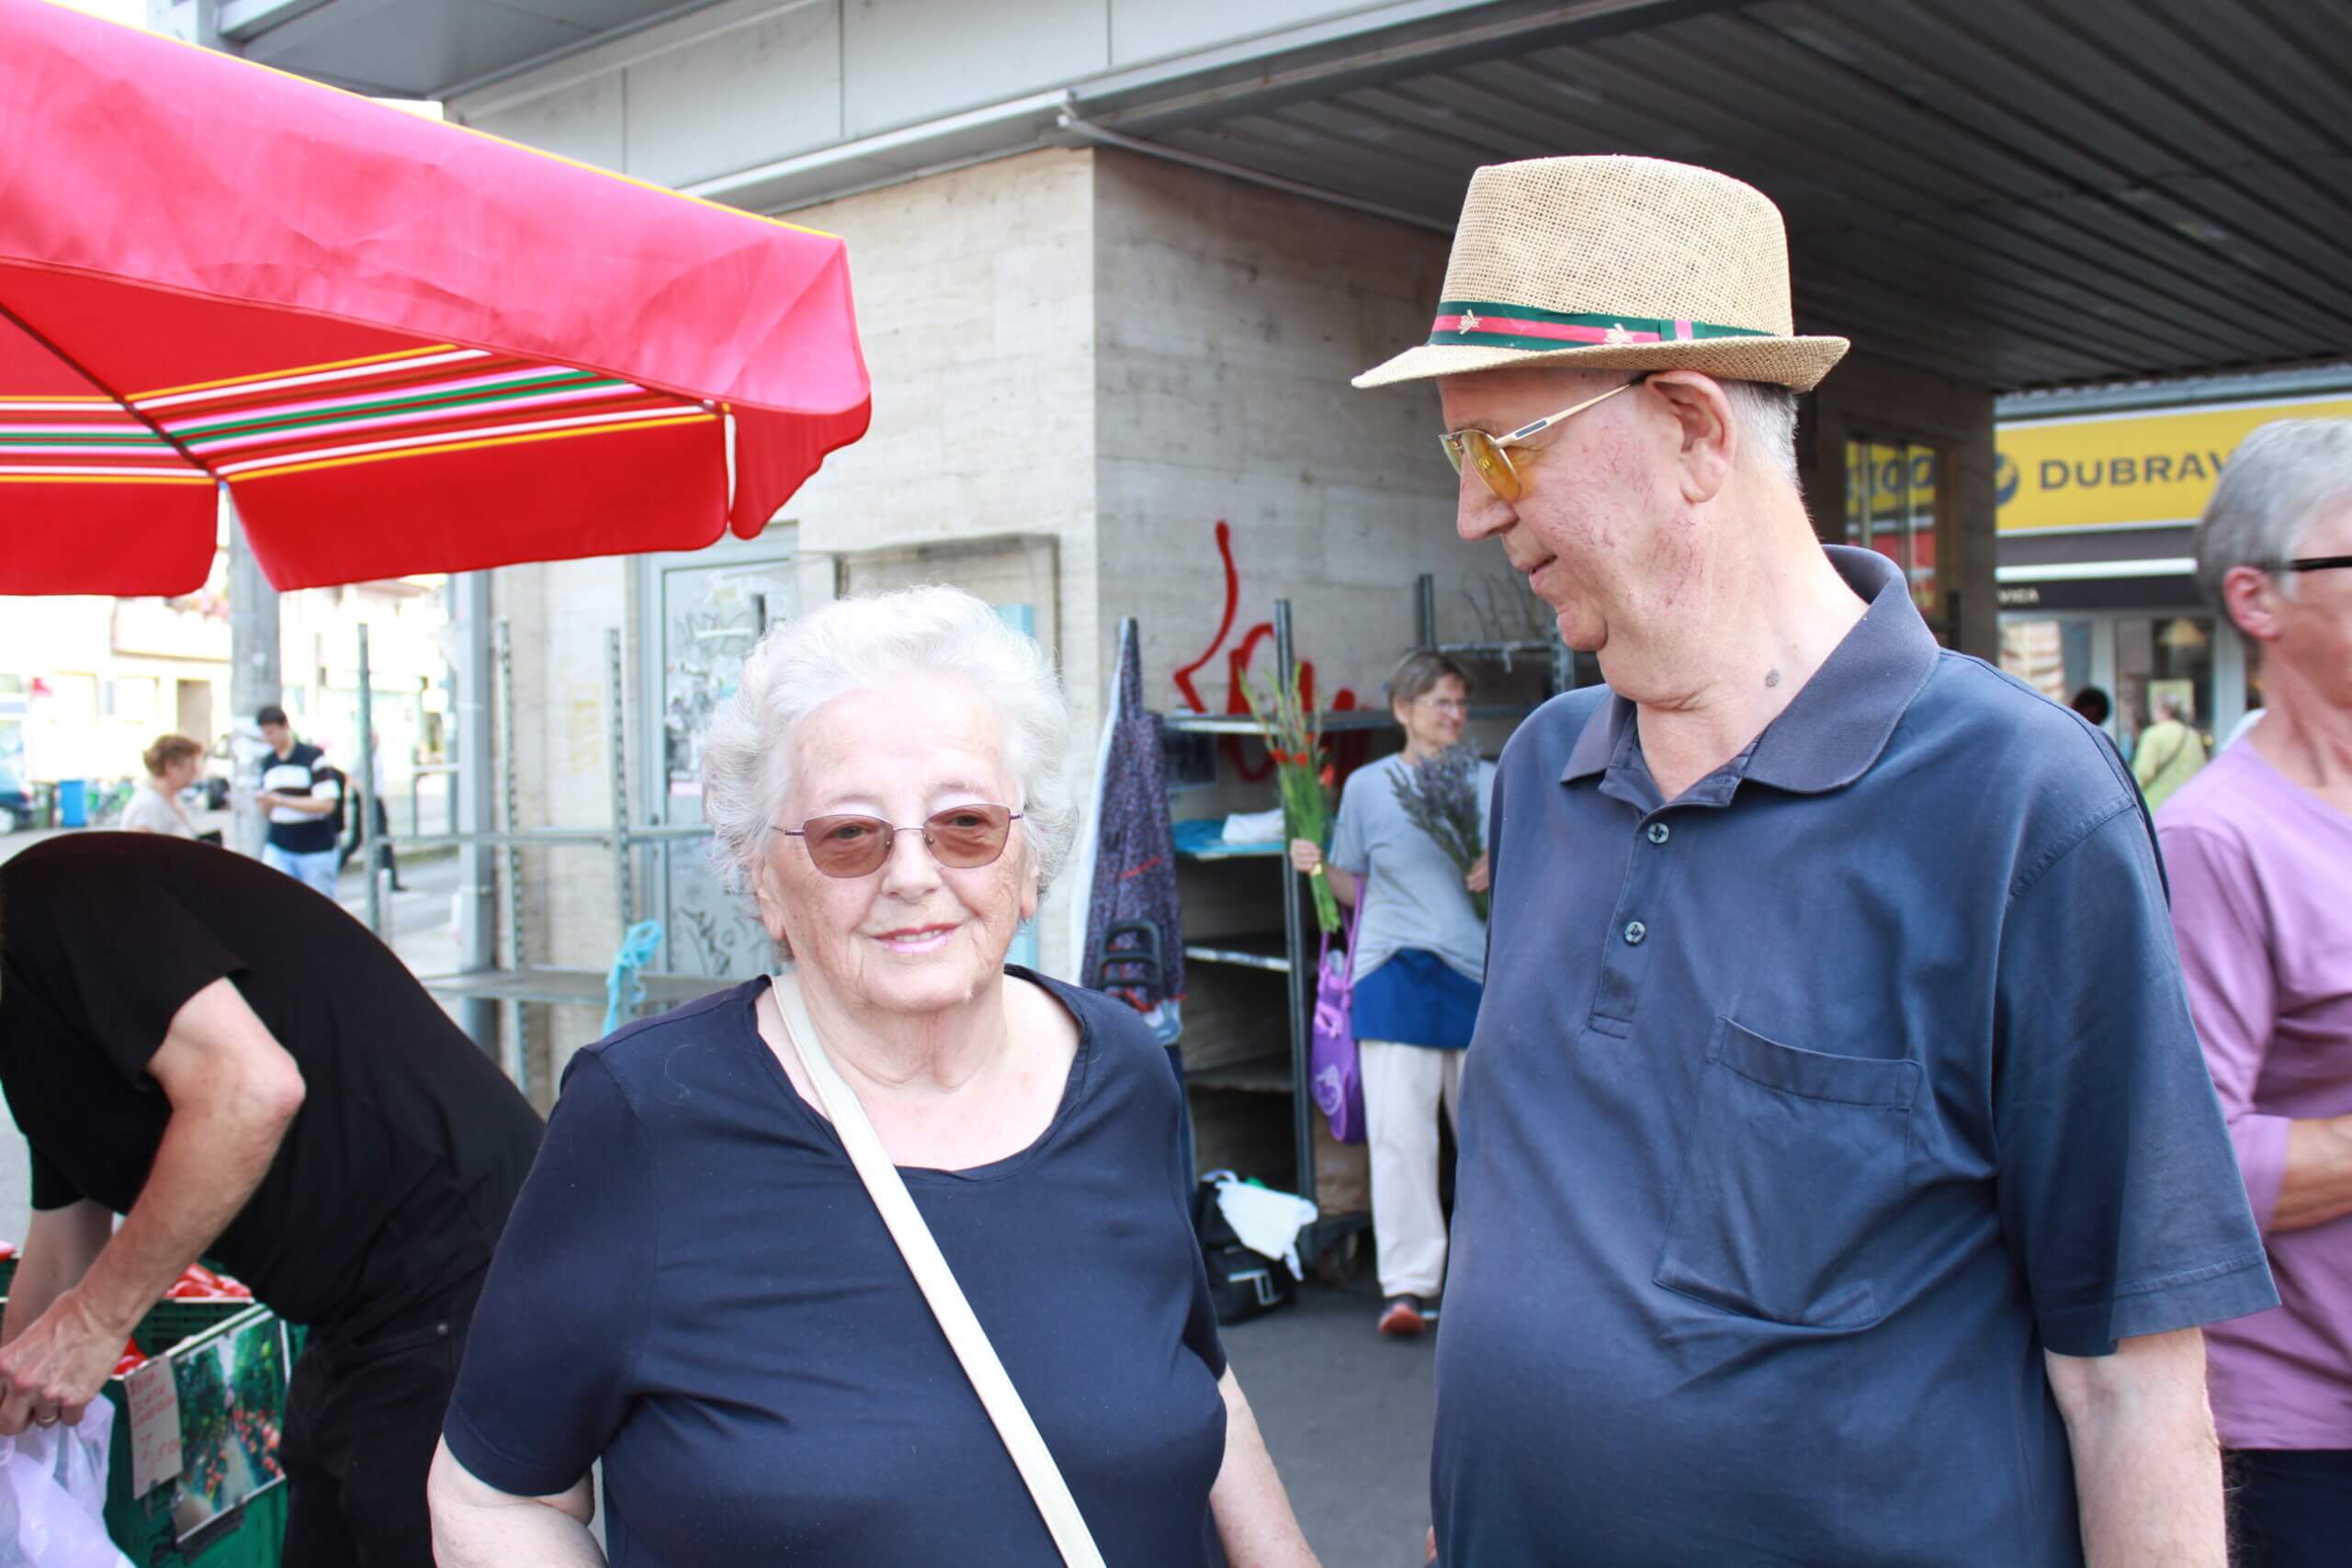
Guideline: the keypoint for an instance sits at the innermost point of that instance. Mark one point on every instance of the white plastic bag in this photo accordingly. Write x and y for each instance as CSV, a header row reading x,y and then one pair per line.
x,y
1267,1222
53,1495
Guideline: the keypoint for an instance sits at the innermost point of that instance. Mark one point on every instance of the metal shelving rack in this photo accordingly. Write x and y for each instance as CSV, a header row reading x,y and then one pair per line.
x,y
516,982
1293,954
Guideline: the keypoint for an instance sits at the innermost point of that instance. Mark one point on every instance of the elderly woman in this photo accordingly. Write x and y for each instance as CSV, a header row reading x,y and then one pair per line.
x,y
154,805
1420,964
696,1288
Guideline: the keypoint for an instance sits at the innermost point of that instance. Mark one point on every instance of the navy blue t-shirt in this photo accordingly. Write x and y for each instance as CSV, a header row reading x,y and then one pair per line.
x,y
695,1287
1804,1113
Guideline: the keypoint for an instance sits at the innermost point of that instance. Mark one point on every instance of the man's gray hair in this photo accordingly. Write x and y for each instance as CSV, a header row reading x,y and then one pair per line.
x,y
1767,417
852,645
2273,489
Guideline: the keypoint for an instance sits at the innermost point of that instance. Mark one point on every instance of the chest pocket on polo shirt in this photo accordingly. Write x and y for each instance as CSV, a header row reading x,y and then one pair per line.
x,y
1797,1161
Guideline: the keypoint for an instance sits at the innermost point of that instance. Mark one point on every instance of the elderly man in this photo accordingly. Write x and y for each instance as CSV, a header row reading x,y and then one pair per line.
x,y
2260,850
1840,1181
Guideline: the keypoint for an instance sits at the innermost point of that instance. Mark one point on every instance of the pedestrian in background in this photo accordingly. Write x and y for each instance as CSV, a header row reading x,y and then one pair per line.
x,y
2169,753
379,819
2092,703
303,796
154,805
2259,846
1795,1220
1419,966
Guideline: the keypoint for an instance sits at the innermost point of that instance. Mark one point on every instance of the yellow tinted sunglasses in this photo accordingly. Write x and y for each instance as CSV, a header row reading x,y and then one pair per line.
x,y
1484,452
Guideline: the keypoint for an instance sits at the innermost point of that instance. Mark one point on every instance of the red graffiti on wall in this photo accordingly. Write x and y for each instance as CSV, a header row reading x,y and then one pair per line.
x,y
1237,660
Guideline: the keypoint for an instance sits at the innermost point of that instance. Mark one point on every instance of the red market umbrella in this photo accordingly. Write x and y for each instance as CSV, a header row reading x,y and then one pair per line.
x,y
403,346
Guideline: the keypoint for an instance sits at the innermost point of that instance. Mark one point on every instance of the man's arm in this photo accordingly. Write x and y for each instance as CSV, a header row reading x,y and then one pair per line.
x,y
2147,1466
233,1091
308,804
60,1246
2316,1184
2298,1173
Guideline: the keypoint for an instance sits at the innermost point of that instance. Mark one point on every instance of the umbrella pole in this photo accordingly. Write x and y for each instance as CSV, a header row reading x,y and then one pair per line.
x,y
367,783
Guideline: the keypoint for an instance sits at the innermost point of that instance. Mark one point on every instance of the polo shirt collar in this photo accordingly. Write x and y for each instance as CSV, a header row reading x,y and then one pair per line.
x,y
1842,719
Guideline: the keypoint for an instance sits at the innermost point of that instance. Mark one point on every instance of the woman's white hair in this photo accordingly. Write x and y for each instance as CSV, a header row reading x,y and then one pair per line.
x,y
852,645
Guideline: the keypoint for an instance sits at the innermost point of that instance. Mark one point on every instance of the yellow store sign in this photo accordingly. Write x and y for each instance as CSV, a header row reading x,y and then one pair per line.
x,y
2155,467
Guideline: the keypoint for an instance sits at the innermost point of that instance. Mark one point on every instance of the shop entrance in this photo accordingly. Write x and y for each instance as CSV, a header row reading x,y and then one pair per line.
x,y
703,611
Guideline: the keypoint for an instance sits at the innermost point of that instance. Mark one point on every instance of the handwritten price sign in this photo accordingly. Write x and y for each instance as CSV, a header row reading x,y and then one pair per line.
x,y
155,1406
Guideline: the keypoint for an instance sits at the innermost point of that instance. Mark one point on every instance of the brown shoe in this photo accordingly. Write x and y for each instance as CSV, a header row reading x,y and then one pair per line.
x,y
1403,1317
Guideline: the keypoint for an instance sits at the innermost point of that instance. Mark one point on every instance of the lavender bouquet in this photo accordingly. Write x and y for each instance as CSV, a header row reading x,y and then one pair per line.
x,y
1439,795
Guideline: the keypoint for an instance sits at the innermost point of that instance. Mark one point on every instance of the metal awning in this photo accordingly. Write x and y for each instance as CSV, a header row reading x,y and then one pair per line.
x,y
2016,192
426,49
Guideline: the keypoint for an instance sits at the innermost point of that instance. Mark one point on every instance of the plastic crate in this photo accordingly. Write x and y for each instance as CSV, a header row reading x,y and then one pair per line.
x,y
251,1535
169,1323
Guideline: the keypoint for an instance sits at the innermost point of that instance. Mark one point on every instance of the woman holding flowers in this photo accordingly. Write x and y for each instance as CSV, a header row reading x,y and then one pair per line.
x,y
1410,841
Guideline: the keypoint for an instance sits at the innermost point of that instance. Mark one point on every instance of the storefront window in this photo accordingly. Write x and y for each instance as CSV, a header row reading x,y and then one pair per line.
x,y
1891,508
2159,656
2053,657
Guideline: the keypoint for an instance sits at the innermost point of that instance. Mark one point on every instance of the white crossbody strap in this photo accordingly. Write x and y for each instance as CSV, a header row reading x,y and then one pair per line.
x,y
965,1335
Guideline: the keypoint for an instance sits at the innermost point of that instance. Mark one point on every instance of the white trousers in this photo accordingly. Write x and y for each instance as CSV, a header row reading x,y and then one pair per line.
x,y
1403,1086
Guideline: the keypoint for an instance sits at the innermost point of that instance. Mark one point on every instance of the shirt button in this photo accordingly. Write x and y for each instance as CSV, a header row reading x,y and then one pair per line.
x,y
1659,832
1635,932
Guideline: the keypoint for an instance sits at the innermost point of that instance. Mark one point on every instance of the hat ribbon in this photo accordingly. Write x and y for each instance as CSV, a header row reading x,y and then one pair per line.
x,y
1487,323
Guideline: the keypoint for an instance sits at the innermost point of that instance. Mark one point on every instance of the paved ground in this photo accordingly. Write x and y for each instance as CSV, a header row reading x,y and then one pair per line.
x,y
1346,1412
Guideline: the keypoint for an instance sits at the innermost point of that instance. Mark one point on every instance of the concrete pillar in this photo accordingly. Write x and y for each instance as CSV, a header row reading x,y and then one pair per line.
x,y
253,678
473,671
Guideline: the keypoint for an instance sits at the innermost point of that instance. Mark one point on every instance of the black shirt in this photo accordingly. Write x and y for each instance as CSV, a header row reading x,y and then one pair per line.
x,y
697,1289
303,773
394,1179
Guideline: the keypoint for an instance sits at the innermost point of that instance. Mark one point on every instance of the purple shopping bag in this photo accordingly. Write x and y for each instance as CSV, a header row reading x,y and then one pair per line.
x,y
1332,1068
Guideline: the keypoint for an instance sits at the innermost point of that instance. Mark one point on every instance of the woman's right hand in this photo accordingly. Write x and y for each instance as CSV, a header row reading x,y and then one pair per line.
x,y
1306,854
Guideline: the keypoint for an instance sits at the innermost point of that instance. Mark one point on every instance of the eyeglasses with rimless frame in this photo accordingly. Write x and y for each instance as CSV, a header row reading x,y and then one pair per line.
x,y
1484,451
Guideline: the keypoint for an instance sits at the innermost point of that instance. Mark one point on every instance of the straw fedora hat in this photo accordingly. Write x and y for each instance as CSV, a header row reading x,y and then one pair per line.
x,y
1616,263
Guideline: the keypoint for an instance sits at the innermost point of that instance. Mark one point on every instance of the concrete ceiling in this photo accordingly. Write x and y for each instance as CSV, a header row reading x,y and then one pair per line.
x,y
2018,192
426,49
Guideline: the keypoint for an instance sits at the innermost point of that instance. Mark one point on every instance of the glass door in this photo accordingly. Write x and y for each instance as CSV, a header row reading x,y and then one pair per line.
x,y
2161,658
703,613
2052,654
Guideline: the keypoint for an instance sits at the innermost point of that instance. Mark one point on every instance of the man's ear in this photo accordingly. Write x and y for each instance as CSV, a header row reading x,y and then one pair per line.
x,y
1709,448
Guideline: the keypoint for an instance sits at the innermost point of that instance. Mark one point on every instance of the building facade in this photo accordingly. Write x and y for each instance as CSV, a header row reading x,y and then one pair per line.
x,y
2100,494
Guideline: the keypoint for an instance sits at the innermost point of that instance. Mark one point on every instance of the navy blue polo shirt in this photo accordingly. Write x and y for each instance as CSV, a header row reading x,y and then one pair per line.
x,y
1804,1114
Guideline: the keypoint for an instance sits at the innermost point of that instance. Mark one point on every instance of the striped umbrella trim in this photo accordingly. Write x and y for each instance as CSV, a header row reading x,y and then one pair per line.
x,y
415,403
11,473
307,375
390,411
425,446
362,400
